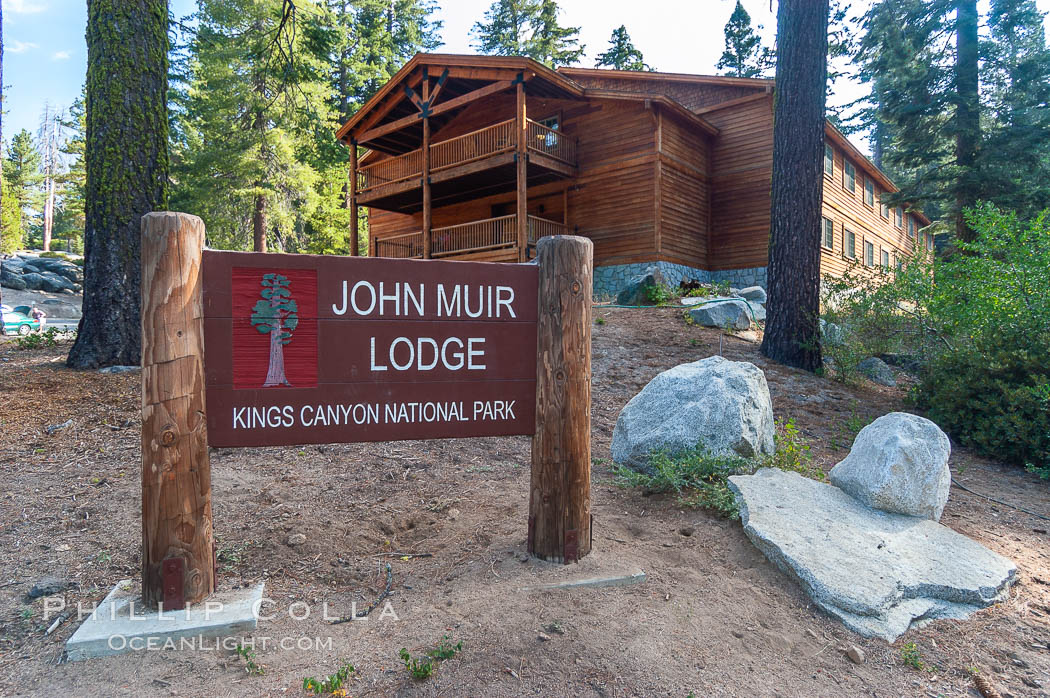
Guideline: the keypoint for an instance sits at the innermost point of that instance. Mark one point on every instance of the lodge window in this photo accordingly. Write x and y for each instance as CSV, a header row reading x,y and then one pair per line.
x,y
911,227
829,233
885,259
869,192
898,217
849,244
849,175
549,140
929,241
885,210
829,160
869,254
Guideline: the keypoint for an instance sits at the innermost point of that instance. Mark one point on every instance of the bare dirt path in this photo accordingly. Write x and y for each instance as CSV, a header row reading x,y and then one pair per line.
x,y
714,617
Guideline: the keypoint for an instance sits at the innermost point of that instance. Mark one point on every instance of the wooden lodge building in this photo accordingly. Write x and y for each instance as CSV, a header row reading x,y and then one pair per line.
x,y
476,157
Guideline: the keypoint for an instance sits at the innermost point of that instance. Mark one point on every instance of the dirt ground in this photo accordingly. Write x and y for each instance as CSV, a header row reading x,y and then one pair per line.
x,y
713,617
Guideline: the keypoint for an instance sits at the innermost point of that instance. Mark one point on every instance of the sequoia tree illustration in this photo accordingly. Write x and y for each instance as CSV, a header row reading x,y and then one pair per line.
x,y
276,314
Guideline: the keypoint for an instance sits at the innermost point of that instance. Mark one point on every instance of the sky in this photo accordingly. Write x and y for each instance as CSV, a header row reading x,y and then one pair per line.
x,y
45,56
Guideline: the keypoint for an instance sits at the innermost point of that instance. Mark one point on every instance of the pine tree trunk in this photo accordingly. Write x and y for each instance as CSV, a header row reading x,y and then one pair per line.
x,y
792,331
49,212
967,113
275,373
259,223
126,155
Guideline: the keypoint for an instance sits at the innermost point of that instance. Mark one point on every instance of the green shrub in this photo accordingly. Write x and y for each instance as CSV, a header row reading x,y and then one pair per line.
x,y
701,479
997,401
978,322
659,294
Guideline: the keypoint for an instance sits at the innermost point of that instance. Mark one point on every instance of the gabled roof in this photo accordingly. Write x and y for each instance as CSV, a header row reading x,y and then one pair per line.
x,y
758,83
464,75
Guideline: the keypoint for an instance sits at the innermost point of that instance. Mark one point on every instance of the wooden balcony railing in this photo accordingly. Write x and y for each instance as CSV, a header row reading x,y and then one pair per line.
x,y
464,238
395,169
551,143
498,138
407,246
476,145
474,236
543,227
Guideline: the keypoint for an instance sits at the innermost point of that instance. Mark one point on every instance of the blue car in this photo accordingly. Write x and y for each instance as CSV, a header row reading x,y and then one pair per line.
x,y
18,321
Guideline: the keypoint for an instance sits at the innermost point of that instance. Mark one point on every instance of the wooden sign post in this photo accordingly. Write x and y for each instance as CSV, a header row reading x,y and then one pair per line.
x,y
255,349
560,492
178,558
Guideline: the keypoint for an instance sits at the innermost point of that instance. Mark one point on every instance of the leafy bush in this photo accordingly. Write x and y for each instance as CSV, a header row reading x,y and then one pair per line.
x,y
977,321
39,340
701,479
996,400
659,294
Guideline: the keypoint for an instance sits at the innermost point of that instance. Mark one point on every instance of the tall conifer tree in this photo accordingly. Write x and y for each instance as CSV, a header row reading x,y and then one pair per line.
x,y
622,54
744,55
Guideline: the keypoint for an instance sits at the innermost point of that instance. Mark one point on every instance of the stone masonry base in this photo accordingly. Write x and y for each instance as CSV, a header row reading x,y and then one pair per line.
x,y
609,280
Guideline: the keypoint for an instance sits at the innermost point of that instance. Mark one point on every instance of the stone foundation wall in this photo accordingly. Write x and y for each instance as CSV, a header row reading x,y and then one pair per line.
x,y
609,280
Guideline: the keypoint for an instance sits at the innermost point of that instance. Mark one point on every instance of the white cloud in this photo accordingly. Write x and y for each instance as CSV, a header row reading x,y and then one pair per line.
x,y
23,7
17,46
60,56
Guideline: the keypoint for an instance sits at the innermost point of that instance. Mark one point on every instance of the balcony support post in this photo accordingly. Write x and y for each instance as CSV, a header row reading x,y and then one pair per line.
x,y
426,168
354,234
521,126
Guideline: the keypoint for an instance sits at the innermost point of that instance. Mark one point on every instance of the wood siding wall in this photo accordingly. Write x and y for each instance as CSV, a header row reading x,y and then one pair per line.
x,y
683,198
742,171
611,201
848,211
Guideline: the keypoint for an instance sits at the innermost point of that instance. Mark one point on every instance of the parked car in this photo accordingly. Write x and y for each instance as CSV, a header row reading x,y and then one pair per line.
x,y
16,322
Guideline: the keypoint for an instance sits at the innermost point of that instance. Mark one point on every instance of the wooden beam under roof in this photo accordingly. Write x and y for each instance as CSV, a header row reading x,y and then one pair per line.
x,y
380,131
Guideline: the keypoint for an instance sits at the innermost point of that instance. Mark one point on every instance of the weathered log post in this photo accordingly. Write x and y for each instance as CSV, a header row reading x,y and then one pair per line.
x,y
178,560
560,492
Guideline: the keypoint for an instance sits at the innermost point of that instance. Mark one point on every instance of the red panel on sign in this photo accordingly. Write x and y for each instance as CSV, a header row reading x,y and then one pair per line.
x,y
274,328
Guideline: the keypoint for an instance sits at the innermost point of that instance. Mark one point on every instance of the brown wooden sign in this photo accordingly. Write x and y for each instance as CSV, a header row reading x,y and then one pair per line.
x,y
307,349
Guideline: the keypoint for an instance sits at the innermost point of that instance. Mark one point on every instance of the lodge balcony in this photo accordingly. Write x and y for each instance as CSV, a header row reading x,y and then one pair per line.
x,y
467,167
491,235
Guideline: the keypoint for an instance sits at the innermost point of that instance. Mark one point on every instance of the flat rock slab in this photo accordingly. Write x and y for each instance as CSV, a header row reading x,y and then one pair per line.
x,y
635,576
120,625
879,573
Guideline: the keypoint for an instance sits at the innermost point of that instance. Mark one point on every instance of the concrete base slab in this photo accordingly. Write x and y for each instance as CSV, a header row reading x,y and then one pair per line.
x,y
635,576
120,624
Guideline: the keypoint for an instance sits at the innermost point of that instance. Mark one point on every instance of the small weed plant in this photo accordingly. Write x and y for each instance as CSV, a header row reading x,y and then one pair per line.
x,y
248,655
423,668
701,479
333,684
912,657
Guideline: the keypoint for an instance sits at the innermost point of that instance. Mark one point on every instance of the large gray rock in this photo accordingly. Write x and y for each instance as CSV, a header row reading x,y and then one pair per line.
x,y
878,371
721,405
755,294
33,281
898,463
702,300
732,313
53,283
831,334
636,292
13,281
879,573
